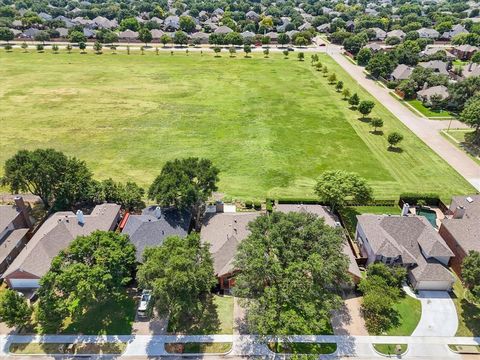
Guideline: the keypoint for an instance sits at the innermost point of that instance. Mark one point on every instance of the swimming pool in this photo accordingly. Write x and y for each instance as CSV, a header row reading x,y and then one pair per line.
x,y
429,214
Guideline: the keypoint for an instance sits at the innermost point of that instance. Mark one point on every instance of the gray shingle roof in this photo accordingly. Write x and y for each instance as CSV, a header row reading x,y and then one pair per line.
x,y
8,213
57,233
148,230
224,231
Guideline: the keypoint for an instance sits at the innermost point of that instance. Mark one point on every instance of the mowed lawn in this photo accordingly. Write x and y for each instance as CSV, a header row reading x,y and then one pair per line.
x,y
271,125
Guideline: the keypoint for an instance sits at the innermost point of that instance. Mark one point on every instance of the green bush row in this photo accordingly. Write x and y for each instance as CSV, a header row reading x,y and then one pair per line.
x,y
412,198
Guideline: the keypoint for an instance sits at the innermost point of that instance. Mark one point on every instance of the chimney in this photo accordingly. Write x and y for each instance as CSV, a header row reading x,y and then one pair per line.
x,y
425,86
405,209
80,217
158,212
20,205
459,212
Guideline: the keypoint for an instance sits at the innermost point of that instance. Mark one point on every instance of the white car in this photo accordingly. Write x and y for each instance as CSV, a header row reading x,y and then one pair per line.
x,y
144,303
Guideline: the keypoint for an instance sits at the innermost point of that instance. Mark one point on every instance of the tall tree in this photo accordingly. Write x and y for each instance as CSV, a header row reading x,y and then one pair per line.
x,y
471,272
145,36
180,274
394,138
92,270
14,310
335,186
290,270
365,107
186,184
471,116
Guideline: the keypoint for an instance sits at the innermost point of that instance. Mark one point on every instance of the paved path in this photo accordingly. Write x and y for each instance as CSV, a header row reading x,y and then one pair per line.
x,y
427,130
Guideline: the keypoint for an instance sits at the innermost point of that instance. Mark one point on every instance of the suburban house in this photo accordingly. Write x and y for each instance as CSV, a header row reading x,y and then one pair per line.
x,y
471,70
409,241
56,233
154,225
426,95
461,230
401,72
437,66
464,52
224,231
380,34
15,224
331,220
396,33
457,29
428,33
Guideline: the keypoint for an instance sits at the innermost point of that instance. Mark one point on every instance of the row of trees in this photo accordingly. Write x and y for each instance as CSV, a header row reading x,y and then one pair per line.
x,y
365,107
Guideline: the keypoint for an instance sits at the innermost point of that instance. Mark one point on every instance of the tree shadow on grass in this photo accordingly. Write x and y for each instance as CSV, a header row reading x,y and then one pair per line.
x,y
364,119
114,317
395,149
471,316
376,132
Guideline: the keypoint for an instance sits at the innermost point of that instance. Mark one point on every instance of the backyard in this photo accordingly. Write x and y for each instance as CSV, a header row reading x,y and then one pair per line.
x,y
270,125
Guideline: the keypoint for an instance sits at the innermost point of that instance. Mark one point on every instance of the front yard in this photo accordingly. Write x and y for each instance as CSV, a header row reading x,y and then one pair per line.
x,y
428,112
468,312
409,311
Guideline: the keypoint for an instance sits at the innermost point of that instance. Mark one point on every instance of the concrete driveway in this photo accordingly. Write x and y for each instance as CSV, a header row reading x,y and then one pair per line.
x,y
439,316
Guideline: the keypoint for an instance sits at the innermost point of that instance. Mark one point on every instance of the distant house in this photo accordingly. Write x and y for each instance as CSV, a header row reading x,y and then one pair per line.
x,y
154,225
464,52
15,225
252,16
248,35
324,28
396,33
429,51
425,95
457,29
437,66
273,36
401,72
56,234
305,26
156,34
380,34
426,33
201,37
461,230
331,220
374,47
224,232
223,30
62,32
29,33
471,70
128,35
171,23
409,241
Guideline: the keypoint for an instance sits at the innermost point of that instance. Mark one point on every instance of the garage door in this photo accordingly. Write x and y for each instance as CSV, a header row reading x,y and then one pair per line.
x,y
434,285
24,283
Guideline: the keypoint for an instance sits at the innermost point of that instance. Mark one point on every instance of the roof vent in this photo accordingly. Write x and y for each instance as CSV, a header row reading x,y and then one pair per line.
x,y
80,217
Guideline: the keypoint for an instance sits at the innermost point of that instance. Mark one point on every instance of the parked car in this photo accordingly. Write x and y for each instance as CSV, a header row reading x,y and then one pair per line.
x,y
290,49
143,306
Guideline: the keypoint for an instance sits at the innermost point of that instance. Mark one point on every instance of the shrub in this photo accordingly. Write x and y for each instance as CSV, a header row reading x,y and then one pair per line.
x,y
248,204
269,205
257,205
413,198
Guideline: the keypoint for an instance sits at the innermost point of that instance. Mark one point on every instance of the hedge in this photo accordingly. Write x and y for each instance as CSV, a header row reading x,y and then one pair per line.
x,y
298,201
412,199
269,205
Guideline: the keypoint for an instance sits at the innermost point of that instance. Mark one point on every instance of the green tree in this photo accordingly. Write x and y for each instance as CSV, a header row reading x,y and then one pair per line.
x,y
233,38
93,270
335,186
82,46
365,107
232,51
129,23
24,46
165,39
40,48
408,52
180,274
14,310
471,116
278,295
69,48
247,49
128,195
217,51
409,88
77,37
55,48
376,123
364,56
145,36
97,46
180,38
339,86
106,36
354,100
471,273
185,184
6,34
381,65
283,39
325,71
42,36
346,94
286,53
266,52
187,24
332,78
476,58
8,47
301,41
394,138
301,56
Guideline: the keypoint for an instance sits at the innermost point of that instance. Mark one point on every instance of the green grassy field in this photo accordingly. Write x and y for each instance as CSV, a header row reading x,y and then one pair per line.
x,y
271,125
463,140
428,112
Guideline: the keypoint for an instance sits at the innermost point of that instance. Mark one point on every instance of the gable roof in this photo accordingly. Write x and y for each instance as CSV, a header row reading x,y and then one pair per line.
x,y
434,90
151,228
224,232
402,72
58,231
8,213
435,65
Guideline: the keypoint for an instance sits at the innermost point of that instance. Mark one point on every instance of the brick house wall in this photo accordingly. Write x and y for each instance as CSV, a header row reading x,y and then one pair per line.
x,y
457,260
